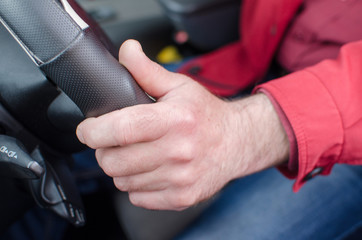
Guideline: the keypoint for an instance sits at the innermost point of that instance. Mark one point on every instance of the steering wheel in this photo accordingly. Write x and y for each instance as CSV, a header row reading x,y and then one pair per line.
x,y
70,72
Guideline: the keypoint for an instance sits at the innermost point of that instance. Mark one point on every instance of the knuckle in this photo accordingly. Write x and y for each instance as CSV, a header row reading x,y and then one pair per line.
x,y
157,69
109,170
121,184
127,129
184,199
184,151
189,150
145,116
184,178
123,130
187,118
107,165
134,199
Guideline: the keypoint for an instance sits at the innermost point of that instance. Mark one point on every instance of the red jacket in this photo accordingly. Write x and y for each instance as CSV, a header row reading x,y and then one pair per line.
x,y
323,103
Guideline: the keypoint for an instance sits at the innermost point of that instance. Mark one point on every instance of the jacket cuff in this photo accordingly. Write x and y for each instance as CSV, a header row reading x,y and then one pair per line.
x,y
315,121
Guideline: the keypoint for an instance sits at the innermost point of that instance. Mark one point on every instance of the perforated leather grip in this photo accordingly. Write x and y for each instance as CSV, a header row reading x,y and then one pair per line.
x,y
41,26
73,58
93,78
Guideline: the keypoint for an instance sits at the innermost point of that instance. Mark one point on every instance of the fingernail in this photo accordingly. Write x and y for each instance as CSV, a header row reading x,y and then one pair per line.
x,y
80,135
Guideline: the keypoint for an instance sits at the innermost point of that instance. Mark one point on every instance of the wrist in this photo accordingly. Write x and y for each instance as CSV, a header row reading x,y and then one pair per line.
x,y
260,133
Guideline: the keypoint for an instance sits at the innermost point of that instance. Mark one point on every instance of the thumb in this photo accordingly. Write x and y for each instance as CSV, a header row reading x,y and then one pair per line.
x,y
152,77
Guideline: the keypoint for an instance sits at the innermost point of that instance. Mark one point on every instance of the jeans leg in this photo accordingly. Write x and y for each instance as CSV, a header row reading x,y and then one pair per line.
x,y
37,224
263,206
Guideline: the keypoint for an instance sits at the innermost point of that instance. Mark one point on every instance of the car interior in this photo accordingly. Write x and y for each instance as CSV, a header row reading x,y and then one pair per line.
x,y
58,66
43,166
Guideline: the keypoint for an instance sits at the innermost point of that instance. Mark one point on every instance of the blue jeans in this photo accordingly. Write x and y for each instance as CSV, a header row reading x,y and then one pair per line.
x,y
263,206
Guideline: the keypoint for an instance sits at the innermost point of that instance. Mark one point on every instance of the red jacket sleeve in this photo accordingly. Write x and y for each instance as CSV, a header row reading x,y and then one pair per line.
x,y
323,104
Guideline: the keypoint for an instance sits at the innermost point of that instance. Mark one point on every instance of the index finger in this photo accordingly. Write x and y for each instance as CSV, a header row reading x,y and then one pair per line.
x,y
141,123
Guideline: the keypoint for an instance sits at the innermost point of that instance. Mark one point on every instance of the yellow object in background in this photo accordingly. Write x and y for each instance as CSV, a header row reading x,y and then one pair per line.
x,y
168,55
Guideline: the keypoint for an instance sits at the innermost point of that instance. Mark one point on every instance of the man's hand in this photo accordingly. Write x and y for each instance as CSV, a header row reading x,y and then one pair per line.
x,y
185,147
